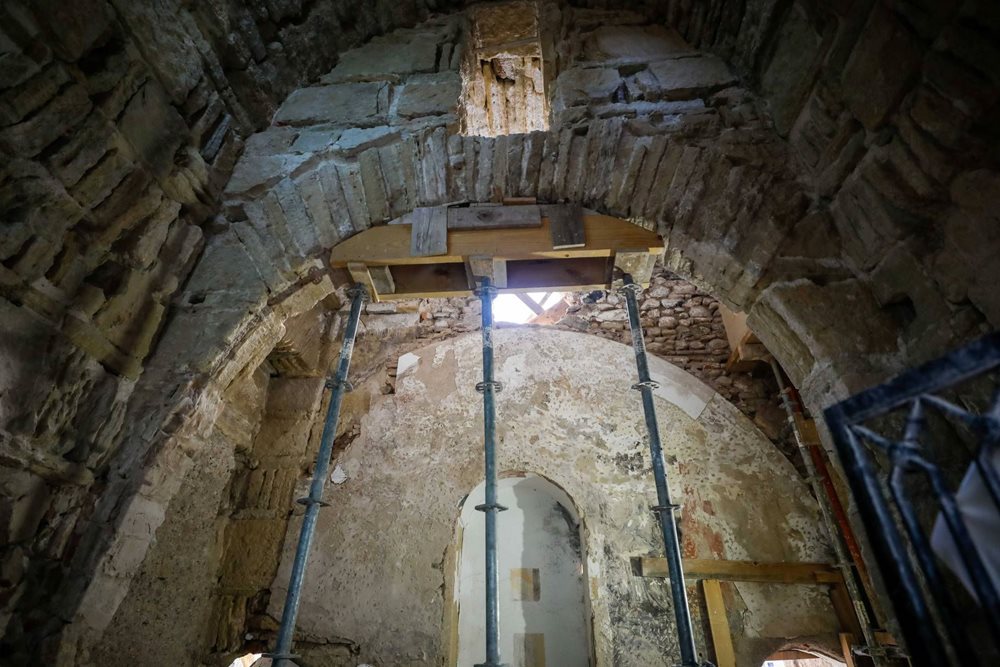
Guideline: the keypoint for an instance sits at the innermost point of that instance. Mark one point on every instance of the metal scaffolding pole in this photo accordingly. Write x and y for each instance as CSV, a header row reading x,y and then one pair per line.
x,y
844,560
489,388
664,508
339,385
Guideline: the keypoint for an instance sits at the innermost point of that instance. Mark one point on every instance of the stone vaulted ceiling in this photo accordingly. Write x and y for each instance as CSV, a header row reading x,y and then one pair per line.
x,y
831,168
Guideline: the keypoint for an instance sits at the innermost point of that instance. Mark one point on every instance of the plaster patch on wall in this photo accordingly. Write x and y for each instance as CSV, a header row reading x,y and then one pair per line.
x,y
405,363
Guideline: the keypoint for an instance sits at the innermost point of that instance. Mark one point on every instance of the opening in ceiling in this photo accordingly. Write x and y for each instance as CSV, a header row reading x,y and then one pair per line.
x,y
503,81
523,308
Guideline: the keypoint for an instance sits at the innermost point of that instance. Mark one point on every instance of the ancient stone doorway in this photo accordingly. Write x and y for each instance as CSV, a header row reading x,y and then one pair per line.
x,y
544,618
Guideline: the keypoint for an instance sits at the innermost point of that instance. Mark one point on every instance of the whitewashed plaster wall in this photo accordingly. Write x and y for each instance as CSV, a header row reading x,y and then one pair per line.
x,y
381,567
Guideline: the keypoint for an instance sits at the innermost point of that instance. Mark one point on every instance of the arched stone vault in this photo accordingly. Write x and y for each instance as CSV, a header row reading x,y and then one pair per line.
x,y
848,205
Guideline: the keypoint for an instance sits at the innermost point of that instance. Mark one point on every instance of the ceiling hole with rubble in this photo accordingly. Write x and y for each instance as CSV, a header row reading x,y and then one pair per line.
x,y
503,75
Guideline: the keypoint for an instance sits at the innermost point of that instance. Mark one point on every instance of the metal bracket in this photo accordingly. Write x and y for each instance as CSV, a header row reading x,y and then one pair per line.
x,y
664,508
497,386
635,288
358,288
495,507
309,501
331,383
485,290
651,384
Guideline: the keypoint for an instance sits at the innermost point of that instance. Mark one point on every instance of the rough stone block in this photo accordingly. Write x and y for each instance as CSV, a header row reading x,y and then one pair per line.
x,y
880,69
387,59
634,43
429,95
253,547
357,104
48,124
684,78
789,74
580,86
154,128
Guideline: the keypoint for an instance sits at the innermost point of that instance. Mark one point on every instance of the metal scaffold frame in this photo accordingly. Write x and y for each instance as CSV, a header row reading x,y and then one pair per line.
x,y
489,388
313,502
665,508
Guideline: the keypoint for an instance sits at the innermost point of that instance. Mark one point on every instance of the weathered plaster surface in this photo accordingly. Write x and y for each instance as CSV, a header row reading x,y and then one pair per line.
x,y
377,573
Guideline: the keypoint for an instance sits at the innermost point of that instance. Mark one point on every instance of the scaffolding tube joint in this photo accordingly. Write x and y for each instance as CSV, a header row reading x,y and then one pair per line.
x,y
497,387
491,507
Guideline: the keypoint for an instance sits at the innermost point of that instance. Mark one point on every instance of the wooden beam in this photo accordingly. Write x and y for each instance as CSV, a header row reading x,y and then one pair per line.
x,y
531,303
494,217
718,622
377,280
428,281
389,245
742,570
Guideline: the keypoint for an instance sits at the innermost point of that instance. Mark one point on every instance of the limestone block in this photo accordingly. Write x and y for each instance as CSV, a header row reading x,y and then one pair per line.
x,y
252,547
314,140
32,95
224,274
56,118
163,33
255,173
684,78
429,95
154,128
579,86
76,26
622,43
386,59
18,66
789,73
879,70
802,321
345,104
272,141
355,139
89,143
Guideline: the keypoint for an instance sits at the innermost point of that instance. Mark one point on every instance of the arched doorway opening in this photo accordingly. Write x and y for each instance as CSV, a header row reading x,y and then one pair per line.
x,y
544,610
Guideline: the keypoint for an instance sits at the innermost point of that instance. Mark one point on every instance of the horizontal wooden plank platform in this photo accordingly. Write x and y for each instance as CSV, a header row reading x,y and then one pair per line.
x,y
389,245
394,264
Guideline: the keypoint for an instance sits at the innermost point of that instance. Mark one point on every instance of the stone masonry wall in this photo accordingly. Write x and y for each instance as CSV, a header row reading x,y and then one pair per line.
x,y
856,227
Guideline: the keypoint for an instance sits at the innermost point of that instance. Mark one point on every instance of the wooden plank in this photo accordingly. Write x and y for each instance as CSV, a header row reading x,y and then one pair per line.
x,y
494,217
565,225
742,570
429,233
807,429
846,639
389,245
843,607
718,622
